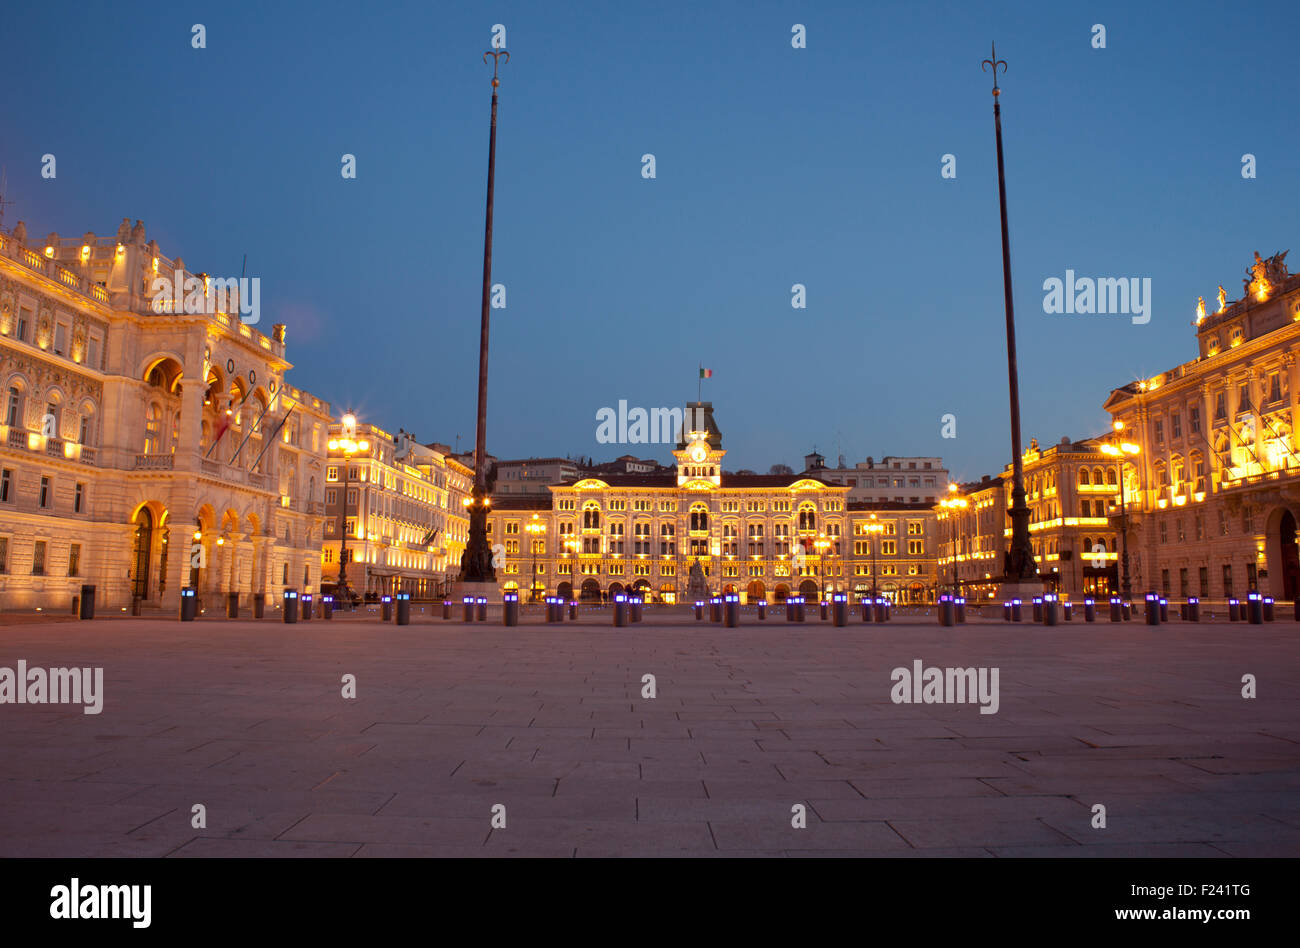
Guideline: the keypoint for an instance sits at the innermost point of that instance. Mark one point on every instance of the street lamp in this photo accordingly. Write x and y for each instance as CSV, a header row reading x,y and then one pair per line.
x,y
1120,449
872,528
822,544
952,504
535,528
573,544
348,446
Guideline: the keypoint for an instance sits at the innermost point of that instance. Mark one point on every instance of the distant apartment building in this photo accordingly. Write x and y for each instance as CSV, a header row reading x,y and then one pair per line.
x,y
899,480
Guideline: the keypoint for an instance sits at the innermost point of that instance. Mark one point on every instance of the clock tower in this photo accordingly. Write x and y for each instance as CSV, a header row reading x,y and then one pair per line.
x,y
699,463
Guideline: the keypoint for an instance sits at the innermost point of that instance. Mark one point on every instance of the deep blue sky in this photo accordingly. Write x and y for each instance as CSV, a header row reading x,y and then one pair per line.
x,y
775,166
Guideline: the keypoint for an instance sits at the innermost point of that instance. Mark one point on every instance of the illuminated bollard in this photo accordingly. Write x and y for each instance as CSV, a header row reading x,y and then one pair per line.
x,y
1127,608
865,605
1038,608
620,610
1152,609
798,609
1193,610
1049,607
190,604
826,609
386,609
1164,609
789,608
699,609
510,608
1015,610
467,609
1254,608
881,610
839,609
1089,609
1067,610
446,608
573,610
1234,610
947,611
959,608
327,607
731,610
481,603
290,605
305,599
403,609
1006,611
1268,608
762,608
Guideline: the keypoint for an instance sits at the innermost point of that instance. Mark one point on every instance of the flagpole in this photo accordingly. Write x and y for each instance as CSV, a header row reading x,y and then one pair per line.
x,y
699,385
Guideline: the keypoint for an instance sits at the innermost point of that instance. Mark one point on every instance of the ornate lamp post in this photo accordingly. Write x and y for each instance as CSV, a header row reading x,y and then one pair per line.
x,y
953,503
1019,566
349,447
476,562
872,529
1121,449
573,544
822,544
535,528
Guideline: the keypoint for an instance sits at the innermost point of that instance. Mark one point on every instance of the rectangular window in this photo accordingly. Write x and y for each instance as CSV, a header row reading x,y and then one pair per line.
x,y
6,485
914,528
78,497
1176,425
94,346
1227,580
1182,582
331,495
1252,576
24,319
1178,524
915,547
331,473
1164,532
1160,432
4,554
38,558
888,547
1223,525
74,559
284,574
1194,419
1203,574
46,493
1164,581
61,339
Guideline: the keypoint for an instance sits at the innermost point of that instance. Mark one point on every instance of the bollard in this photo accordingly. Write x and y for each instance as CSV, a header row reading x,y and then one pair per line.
x,y
881,611
327,607
715,608
403,609
1089,609
946,610
1268,608
762,608
798,609
699,609
190,604
1067,610
1234,610
467,609
386,609
305,601
446,608
620,610
1049,605
1152,609
573,609
1254,608
510,609
1038,608
731,610
1164,609
634,604
481,602
789,608
1127,608
826,608
840,609
290,604
1116,609
866,609
1006,611
232,605
1015,610
1193,609
959,607
86,604
259,605
135,605
1182,611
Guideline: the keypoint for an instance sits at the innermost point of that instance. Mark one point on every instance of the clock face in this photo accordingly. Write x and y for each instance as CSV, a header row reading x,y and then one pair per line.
x,y
699,452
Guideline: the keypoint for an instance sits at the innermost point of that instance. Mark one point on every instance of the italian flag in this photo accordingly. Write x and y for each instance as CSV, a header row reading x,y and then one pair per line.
x,y
706,373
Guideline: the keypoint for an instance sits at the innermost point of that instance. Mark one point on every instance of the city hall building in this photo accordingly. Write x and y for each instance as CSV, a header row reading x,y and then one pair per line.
x,y
146,447
762,536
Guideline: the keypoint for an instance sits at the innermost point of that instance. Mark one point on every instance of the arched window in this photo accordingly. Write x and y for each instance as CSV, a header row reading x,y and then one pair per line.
x,y
699,518
14,410
591,516
1083,477
1111,478
807,517
153,430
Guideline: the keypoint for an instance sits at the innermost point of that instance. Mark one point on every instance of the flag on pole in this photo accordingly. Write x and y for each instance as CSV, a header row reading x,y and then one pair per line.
x,y
706,373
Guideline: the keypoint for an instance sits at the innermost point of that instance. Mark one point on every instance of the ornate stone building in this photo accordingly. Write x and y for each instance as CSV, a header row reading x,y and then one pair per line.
x,y
763,536
145,450
1219,474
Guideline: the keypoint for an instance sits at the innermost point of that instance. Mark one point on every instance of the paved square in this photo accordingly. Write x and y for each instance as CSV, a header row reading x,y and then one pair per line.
x,y
248,719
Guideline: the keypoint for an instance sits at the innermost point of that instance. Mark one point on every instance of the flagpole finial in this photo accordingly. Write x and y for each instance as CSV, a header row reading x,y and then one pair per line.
x,y
994,63
496,55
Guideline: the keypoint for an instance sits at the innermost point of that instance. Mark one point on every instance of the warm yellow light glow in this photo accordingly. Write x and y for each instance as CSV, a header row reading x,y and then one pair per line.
x,y
1118,426
334,445
221,541
363,445
1200,309
197,535
85,251
1223,299
120,250
155,264
49,251
349,420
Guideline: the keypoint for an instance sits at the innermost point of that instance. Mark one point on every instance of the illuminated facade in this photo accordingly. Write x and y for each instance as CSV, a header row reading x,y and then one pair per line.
x,y
763,536
142,451
1218,471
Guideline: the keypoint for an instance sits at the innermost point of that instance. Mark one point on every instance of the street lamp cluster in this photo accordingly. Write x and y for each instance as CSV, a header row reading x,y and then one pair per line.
x,y
350,446
952,503
1121,449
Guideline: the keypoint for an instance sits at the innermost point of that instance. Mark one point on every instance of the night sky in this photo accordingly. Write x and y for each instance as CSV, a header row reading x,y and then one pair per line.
x,y
774,166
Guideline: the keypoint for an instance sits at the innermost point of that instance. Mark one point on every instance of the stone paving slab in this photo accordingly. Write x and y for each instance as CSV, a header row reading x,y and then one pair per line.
x,y
450,719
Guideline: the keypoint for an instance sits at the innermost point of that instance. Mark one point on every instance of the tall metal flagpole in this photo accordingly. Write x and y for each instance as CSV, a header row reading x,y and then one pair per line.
x,y
1019,565
476,561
